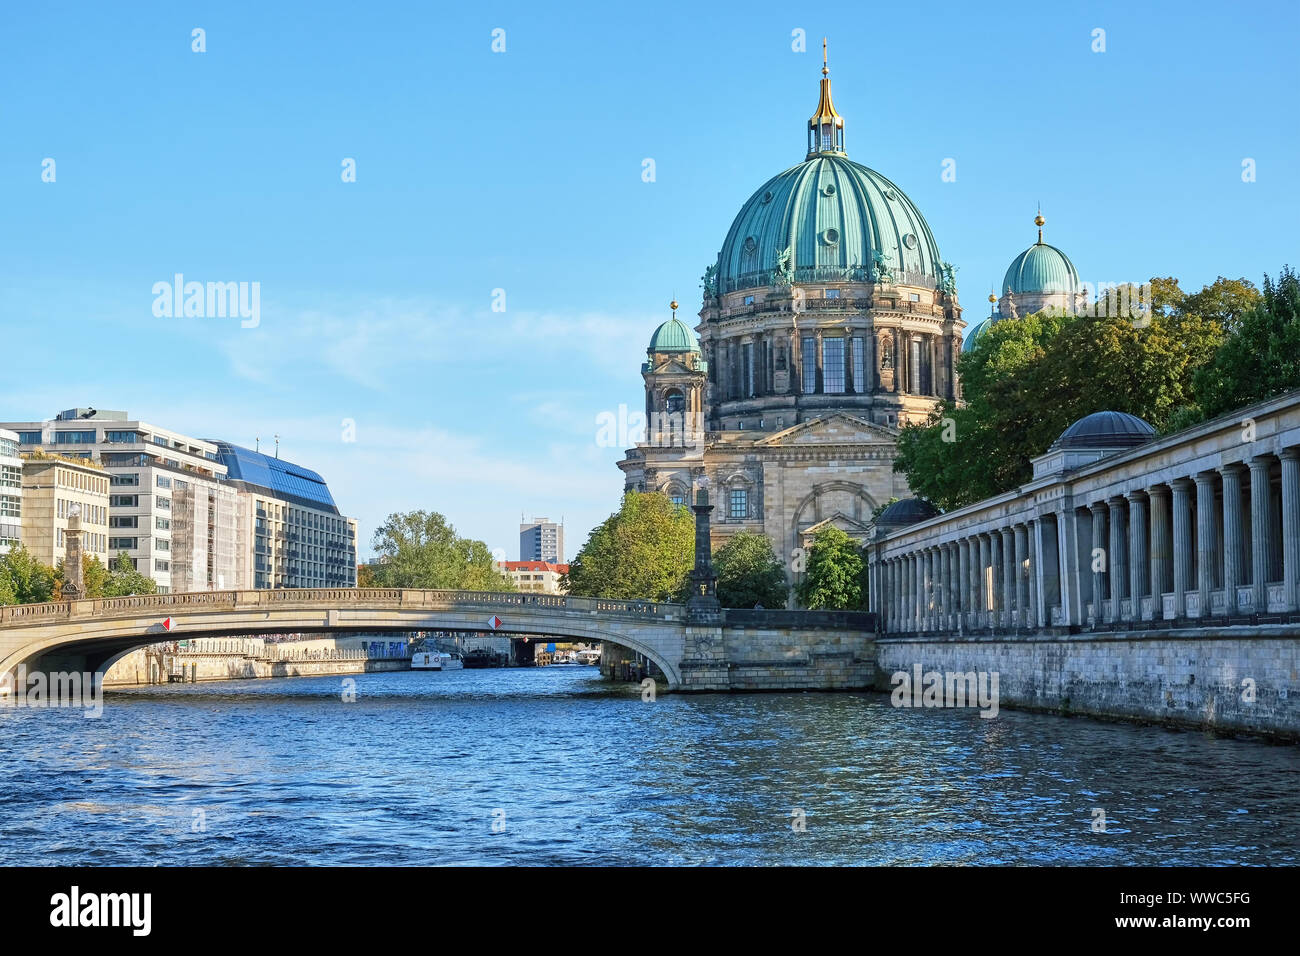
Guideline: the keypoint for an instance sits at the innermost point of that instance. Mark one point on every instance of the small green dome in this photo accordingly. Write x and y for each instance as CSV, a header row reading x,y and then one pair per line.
x,y
1041,269
673,336
974,332
834,216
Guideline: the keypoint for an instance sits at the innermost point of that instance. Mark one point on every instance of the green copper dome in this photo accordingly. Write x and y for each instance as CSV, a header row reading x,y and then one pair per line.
x,y
673,336
835,217
974,332
1041,269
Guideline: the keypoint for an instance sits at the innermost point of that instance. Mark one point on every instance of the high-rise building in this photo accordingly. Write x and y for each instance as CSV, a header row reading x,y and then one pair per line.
x,y
541,540
52,487
11,491
292,533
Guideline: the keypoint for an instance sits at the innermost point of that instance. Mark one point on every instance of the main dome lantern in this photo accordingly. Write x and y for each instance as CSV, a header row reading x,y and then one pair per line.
x,y
828,218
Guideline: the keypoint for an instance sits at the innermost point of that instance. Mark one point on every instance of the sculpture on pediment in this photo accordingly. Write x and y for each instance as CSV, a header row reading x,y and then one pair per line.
x,y
948,277
881,269
784,275
709,281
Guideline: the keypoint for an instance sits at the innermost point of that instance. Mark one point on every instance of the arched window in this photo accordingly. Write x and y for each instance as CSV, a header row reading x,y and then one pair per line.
x,y
675,401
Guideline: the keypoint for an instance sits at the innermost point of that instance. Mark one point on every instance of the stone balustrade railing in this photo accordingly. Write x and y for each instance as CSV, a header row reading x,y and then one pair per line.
x,y
339,598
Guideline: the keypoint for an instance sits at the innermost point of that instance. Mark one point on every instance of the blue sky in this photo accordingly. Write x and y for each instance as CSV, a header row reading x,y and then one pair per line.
x,y
522,171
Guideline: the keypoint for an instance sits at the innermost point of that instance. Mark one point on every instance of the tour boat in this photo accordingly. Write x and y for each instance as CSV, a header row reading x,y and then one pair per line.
x,y
435,661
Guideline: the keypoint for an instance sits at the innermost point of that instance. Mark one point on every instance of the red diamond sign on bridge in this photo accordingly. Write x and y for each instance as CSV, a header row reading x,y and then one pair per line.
x,y
494,622
168,624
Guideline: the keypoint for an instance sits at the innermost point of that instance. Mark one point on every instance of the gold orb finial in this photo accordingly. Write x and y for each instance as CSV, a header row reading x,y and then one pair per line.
x,y
825,69
992,297
673,305
1039,220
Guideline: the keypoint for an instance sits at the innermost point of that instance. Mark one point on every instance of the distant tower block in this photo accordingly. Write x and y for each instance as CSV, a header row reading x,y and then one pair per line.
x,y
541,540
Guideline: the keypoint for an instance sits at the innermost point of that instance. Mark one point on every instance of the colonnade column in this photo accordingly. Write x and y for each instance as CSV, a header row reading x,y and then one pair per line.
x,y
1182,543
1161,555
945,595
995,578
918,615
1291,527
1036,572
981,579
1099,566
1138,568
1206,546
1232,576
1115,560
1259,531
1008,576
963,579
1022,579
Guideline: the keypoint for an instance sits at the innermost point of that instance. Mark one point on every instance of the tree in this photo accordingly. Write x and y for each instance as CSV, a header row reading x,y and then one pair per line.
x,y
834,577
366,577
1026,380
749,572
419,549
1261,355
124,580
94,577
26,579
644,551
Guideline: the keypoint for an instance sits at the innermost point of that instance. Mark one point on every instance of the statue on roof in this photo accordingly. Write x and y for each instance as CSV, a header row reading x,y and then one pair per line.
x,y
709,281
784,275
881,270
948,277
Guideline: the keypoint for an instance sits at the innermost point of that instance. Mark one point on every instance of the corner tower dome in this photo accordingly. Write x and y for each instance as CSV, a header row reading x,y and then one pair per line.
x,y
1040,277
828,219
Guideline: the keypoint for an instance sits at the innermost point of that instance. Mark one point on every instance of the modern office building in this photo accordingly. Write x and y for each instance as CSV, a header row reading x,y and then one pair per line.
x,y
52,487
169,510
541,576
541,540
291,533
11,491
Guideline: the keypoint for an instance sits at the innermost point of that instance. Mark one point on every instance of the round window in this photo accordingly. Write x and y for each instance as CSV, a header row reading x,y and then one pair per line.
x,y
767,196
828,189
750,244
831,236
909,240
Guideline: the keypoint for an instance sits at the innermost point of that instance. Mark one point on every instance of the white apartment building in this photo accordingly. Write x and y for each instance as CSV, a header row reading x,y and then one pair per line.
x,y
11,491
170,509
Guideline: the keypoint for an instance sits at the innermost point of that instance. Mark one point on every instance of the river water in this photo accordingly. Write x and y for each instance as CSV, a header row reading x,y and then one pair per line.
x,y
555,766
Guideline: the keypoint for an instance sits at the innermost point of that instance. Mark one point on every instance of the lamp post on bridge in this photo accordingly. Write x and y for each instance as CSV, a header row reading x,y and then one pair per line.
x,y
74,579
703,603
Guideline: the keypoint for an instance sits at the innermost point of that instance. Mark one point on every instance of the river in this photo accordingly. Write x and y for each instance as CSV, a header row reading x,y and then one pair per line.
x,y
555,766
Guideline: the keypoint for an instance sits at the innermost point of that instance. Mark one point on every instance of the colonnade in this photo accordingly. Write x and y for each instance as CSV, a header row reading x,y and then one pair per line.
x,y
1221,541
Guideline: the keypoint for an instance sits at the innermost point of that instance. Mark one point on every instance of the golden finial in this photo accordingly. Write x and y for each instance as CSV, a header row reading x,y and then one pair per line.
x,y
825,69
1038,221
992,297
673,305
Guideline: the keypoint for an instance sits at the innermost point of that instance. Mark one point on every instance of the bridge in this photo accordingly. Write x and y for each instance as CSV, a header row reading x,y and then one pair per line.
x,y
709,649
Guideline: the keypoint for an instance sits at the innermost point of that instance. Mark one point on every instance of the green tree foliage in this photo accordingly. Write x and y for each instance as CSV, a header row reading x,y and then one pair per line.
x,y
834,576
1261,355
124,579
1026,380
645,551
93,575
23,579
421,550
749,572
366,576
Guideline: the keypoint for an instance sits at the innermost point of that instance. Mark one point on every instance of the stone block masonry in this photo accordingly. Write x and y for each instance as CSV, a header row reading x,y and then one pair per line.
x,y
1230,679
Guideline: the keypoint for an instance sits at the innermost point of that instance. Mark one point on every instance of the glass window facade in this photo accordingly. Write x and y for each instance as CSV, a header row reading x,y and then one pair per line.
x,y
859,366
809,347
739,506
74,438
833,365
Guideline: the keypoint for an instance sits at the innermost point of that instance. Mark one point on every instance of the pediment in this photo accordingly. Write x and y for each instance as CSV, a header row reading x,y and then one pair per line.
x,y
672,367
850,526
835,429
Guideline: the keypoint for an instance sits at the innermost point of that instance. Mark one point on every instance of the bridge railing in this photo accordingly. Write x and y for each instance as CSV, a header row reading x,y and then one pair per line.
x,y
340,598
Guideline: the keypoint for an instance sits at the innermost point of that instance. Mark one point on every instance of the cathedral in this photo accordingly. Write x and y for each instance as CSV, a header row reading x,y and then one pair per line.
x,y
828,321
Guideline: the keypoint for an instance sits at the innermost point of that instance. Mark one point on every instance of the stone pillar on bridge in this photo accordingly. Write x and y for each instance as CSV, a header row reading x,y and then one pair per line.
x,y
703,603
74,584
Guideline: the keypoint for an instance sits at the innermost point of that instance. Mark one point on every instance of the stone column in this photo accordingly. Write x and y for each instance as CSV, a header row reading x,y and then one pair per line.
x,y
1036,615
944,603
1116,561
1182,543
821,368
1022,577
1099,511
1138,567
995,557
963,576
918,617
1067,550
1008,576
982,578
1049,579
1161,553
1232,576
1291,527
1206,545
1260,532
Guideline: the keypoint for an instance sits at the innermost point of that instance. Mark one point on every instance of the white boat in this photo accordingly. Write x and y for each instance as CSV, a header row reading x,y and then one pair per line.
x,y
435,661
587,658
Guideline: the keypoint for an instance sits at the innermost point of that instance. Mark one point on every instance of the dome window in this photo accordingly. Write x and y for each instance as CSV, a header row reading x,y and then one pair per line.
x,y
831,236
828,189
767,196
751,246
909,240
